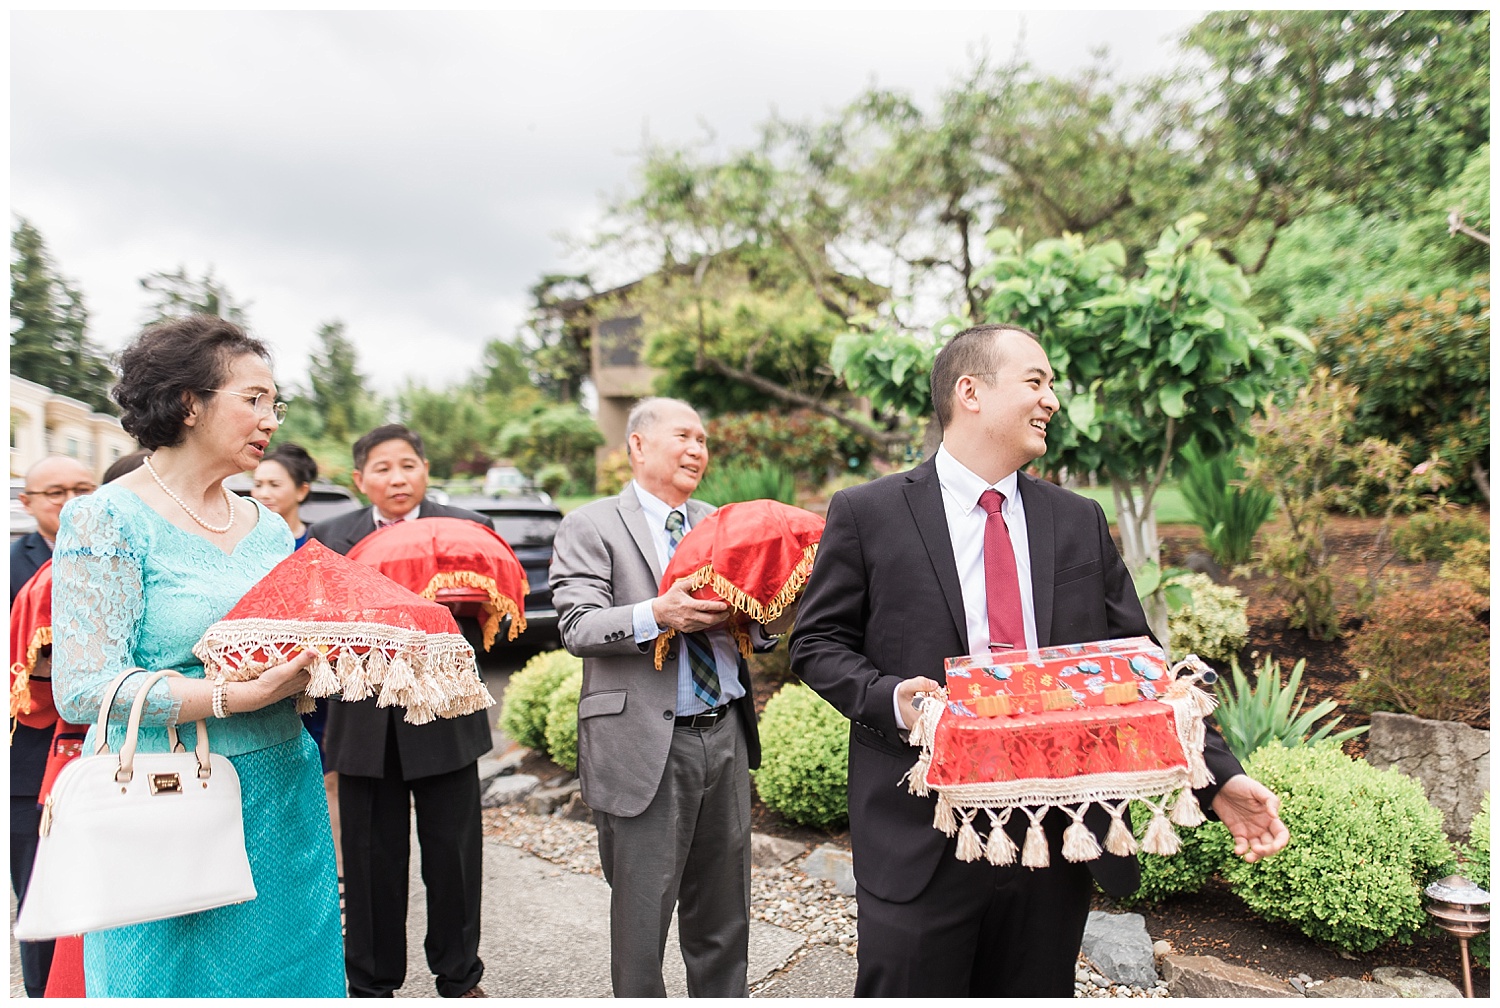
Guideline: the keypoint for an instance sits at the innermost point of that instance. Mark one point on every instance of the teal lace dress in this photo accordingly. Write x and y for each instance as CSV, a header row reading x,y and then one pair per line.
x,y
130,588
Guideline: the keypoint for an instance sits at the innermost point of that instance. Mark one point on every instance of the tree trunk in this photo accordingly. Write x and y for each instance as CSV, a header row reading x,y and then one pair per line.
x,y
1142,547
1481,479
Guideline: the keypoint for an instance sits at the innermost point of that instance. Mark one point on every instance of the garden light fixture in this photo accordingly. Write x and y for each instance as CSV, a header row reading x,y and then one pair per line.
x,y
1457,906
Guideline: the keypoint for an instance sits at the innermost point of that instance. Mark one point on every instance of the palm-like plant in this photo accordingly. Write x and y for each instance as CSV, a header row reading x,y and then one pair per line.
x,y
1250,717
1229,512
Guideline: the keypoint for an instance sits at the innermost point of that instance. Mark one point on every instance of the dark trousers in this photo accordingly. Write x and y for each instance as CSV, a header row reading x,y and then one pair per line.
x,y
689,850
376,822
25,819
977,930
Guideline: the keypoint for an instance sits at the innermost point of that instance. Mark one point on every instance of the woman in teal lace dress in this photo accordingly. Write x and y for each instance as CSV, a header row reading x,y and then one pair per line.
x,y
141,569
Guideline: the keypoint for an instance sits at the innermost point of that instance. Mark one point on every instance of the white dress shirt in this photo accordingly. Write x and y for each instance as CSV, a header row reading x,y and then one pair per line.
x,y
643,620
961,492
380,516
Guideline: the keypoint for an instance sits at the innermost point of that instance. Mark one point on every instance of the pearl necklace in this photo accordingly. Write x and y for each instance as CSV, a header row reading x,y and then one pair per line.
x,y
228,499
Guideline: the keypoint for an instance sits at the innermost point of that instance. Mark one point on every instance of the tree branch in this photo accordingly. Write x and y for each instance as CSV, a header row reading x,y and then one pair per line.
x,y
1456,225
794,398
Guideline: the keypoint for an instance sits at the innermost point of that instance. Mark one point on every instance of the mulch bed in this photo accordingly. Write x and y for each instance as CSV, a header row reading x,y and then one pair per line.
x,y
1214,921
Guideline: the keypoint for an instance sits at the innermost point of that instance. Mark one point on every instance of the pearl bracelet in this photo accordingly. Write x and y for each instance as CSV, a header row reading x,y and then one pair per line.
x,y
221,690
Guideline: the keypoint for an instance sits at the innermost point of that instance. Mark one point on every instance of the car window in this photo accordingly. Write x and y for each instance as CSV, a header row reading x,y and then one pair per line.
x,y
526,529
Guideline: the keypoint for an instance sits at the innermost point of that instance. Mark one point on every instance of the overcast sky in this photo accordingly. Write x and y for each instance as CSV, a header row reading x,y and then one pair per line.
x,y
410,173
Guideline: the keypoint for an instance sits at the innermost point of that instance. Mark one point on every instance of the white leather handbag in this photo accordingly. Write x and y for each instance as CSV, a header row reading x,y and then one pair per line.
x,y
134,837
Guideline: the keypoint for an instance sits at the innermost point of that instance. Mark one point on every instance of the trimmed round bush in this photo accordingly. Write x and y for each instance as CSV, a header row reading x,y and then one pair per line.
x,y
1204,850
523,708
1476,868
1213,627
804,765
562,721
1364,844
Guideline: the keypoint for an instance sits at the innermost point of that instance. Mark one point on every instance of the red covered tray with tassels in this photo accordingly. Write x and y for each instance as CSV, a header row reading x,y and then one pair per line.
x,y
1064,727
373,638
754,555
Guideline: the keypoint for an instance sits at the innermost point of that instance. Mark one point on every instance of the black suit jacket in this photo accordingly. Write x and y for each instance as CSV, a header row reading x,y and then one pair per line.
x,y
27,554
883,604
354,739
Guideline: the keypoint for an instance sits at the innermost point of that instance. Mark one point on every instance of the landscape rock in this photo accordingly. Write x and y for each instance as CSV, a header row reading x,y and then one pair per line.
x,y
576,811
834,864
1450,759
1204,563
1348,987
1211,977
768,851
1414,983
491,767
1161,947
1120,948
545,801
508,790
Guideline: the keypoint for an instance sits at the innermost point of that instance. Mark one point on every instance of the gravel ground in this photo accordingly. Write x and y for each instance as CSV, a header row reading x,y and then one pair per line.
x,y
783,895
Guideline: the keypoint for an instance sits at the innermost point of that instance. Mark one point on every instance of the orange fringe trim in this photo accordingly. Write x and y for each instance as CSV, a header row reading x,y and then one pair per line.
x,y
738,600
497,606
20,688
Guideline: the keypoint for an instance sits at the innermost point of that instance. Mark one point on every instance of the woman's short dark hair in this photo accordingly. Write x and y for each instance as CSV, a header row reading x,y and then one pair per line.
x,y
189,354
299,465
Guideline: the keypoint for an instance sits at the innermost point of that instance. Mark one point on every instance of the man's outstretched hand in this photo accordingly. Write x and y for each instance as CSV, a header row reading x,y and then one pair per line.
x,y
1251,812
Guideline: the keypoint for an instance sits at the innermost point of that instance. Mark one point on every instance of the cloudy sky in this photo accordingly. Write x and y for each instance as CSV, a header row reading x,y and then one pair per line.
x,y
411,174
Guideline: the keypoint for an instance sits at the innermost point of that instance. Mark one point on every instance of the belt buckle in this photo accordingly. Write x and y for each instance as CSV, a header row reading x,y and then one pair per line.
x,y
708,718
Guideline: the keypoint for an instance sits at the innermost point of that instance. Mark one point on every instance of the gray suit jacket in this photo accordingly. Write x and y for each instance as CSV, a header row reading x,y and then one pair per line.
x,y
603,563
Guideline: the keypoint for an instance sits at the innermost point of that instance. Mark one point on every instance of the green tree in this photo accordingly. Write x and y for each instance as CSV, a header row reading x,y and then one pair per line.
x,y
178,294
559,435
557,334
502,369
1310,108
340,394
1148,364
458,433
49,341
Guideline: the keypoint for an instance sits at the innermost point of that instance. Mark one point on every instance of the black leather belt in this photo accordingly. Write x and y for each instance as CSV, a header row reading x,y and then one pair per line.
x,y
705,719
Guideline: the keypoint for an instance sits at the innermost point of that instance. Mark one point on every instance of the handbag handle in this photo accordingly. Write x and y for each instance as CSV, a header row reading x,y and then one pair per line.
x,y
111,691
127,750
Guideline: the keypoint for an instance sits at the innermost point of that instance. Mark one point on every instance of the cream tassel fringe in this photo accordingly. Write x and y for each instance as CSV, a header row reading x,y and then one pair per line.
x,y
943,816
1186,811
1034,853
1161,838
1079,843
969,847
1119,840
306,704
1000,849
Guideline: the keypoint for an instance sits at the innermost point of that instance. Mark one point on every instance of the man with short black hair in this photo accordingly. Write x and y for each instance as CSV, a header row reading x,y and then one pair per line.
x,y
386,766
963,555
50,484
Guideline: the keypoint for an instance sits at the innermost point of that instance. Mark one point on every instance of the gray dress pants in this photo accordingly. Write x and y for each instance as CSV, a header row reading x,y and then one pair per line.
x,y
690,849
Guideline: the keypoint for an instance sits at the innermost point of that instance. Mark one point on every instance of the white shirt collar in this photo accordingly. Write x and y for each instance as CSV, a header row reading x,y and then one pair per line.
x,y
380,516
657,509
966,486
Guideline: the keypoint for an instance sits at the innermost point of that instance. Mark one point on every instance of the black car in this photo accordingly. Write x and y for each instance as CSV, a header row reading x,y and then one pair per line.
x,y
528,522
323,500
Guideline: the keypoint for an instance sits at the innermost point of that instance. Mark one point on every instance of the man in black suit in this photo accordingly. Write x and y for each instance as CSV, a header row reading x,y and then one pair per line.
x,y
901,582
50,484
386,765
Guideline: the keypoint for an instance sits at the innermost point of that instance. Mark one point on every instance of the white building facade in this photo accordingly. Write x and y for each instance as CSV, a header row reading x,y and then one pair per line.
x,y
44,423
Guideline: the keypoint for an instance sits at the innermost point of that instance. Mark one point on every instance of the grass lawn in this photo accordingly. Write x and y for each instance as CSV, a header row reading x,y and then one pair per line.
x,y
569,503
1171,509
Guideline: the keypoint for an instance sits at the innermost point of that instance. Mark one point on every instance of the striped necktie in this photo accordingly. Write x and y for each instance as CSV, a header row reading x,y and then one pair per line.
x,y
700,651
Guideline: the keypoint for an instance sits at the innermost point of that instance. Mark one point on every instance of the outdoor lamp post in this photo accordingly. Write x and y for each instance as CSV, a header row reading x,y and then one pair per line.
x,y
1457,906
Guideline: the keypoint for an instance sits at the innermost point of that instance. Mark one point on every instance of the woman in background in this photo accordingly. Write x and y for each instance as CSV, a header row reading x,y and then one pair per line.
x,y
282,482
142,568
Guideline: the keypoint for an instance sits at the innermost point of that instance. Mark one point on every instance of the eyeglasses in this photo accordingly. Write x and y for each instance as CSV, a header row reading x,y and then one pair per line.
x,y
59,494
260,402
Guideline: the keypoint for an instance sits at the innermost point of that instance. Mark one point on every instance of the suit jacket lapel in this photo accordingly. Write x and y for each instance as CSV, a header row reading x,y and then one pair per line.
x,y
635,520
1042,548
924,496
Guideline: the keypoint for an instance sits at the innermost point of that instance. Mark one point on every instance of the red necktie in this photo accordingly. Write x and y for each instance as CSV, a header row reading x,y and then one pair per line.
x,y
1002,588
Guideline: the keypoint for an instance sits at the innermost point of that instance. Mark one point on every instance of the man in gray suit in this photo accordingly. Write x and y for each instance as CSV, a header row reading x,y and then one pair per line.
x,y
663,755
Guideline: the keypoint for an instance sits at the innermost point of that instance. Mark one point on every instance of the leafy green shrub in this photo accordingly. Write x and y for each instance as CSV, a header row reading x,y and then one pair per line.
x,y
1364,843
1424,653
559,435
1229,513
1204,850
734,483
1476,868
562,721
554,478
1434,535
1470,565
1252,717
523,708
613,472
804,766
810,446
1212,625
